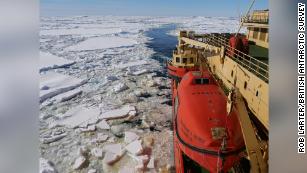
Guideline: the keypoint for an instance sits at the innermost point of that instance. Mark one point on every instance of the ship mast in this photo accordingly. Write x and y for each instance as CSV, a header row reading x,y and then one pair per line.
x,y
247,12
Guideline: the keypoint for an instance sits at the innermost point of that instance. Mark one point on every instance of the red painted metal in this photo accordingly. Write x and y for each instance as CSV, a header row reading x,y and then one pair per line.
x,y
178,72
197,109
239,43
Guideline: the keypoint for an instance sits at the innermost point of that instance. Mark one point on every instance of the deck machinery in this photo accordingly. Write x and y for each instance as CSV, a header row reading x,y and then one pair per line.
x,y
220,99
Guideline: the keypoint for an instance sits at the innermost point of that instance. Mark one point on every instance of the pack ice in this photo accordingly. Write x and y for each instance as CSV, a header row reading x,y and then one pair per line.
x,y
52,84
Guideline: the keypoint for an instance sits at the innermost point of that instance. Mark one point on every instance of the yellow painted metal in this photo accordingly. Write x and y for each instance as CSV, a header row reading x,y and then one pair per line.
x,y
186,58
257,25
254,89
257,160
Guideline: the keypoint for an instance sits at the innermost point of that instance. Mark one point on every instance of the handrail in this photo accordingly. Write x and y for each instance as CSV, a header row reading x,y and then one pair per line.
x,y
255,19
252,64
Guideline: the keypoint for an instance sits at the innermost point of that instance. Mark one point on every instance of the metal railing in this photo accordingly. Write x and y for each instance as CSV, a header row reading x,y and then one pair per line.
x,y
250,63
255,19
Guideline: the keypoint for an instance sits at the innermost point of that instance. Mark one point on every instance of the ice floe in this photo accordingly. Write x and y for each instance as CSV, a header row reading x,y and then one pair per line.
x,y
103,124
66,95
46,166
80,31
102,43
80,117
131,64
135,147
118,113
52,84
48,61
130,136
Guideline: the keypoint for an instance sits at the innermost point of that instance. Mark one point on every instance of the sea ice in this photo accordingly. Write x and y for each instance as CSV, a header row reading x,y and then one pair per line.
x,y
80,31
46,166
79,163
66,96
80,116
113,148
135,147
120,87
130,136
48,61
117,113
53,138
131,64
103,125
52,84
102,43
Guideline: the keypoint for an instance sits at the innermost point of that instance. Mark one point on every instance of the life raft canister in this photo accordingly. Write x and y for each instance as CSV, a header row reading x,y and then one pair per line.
x,y
238,43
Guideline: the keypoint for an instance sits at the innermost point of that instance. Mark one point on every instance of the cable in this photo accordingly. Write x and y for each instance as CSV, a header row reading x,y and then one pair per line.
x,y
247,12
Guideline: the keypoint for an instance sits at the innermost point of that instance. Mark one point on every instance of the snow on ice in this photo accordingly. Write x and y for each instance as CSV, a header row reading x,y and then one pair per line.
x,y
52,84
49,61
80,31
102,43
80,117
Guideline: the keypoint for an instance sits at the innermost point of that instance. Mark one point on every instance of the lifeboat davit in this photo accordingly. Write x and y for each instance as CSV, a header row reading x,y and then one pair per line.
x,y
206,138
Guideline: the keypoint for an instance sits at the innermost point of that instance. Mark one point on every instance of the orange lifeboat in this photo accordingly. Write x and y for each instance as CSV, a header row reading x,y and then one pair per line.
x,y
206,138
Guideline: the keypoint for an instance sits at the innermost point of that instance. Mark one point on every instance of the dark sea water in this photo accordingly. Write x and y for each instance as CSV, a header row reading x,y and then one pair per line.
x,y
162,43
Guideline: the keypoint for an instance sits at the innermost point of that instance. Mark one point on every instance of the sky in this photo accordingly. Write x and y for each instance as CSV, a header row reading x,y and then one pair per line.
x,y
230,8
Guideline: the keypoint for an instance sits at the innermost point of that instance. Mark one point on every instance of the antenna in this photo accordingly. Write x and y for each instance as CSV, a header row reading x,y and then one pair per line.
x,y
247,12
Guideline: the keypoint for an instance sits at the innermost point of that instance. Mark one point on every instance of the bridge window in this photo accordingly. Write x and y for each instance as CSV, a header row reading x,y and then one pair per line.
x,y
178,60
263,33
184,60
255,34
202,81
191,60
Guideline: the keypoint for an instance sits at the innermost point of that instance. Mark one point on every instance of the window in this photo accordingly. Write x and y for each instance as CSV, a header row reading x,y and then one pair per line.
x,y
245,85
257,94
263,33
202,81
177,59
231,73
191,60
184,60
255,34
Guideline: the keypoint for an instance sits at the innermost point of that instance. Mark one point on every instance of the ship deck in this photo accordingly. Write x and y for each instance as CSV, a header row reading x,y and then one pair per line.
x,y
255,62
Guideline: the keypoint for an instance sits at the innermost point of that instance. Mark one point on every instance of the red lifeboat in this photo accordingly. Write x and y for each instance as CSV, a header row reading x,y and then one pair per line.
x,y
205,136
